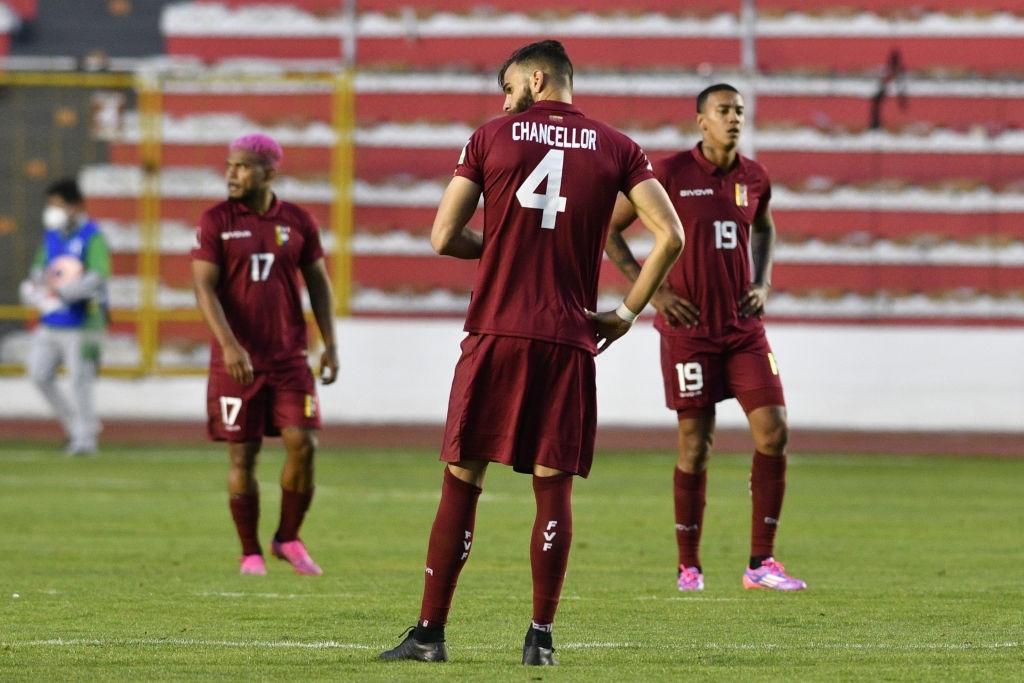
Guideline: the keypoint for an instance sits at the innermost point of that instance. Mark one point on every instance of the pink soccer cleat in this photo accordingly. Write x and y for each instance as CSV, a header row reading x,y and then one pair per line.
x,y
253,564
295,552
771,574
690,579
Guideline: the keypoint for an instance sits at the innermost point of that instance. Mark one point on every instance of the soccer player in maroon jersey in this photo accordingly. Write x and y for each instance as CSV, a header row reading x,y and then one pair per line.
x,y
713,343
524,389
246,261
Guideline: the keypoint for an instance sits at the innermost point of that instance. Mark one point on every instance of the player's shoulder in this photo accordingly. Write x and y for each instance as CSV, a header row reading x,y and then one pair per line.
x,y
491,128
217,212
753,167
676,164
294,214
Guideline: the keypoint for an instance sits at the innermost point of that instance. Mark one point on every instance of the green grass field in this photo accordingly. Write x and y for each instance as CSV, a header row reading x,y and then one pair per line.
x,y
124,567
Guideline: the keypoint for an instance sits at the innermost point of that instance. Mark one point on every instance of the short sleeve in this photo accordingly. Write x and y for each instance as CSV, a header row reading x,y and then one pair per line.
x,y
206,245
470,164
312,245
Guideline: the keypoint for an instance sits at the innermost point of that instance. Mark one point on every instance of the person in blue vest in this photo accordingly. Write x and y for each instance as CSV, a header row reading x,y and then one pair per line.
x,y
67,284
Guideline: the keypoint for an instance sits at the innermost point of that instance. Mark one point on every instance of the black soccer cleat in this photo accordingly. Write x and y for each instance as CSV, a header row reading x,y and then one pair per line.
x,y
537,650
410,648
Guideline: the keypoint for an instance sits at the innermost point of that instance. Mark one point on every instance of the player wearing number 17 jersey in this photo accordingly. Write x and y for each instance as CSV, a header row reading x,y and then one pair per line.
x,y
524,388
713,343
247,260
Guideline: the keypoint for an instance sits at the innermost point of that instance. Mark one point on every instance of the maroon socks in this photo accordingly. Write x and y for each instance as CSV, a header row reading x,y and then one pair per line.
x,y
767,489
451,538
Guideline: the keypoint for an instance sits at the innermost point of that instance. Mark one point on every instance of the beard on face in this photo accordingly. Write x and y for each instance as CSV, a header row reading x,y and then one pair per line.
x,y
523,103
242,196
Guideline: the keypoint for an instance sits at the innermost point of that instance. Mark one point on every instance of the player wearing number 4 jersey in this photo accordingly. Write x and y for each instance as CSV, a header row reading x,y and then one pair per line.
x,y
713,343
524,388
249,253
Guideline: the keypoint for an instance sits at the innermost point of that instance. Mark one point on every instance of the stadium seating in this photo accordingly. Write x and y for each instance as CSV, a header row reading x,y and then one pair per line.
x,y
790,42
10,21
25,10
889,7
919,198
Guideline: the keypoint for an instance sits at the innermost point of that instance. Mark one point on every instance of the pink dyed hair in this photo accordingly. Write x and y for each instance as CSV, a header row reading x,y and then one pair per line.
x,y
263,146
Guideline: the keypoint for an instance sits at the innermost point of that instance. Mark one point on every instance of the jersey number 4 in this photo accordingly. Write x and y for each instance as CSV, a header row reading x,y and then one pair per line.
x,y
551,202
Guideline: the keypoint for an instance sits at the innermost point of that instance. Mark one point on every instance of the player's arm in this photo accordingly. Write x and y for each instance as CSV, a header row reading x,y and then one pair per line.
x,y
450,234
321,300
762,250
656,212
677,310
616,246
237,362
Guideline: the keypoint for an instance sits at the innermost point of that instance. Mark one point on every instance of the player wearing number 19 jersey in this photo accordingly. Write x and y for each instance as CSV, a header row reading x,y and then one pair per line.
x,y
524,388
713,343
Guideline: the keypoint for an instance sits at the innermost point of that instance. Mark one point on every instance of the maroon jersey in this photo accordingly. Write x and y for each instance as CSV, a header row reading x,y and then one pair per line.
x,y
717,208
260,259
550,177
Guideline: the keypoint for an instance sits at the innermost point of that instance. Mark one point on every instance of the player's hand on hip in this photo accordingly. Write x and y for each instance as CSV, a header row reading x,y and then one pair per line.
x,y
608,327
752,303
677,310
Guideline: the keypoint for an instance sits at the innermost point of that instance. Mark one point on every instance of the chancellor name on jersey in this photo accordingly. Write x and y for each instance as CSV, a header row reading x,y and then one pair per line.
x,y
554,135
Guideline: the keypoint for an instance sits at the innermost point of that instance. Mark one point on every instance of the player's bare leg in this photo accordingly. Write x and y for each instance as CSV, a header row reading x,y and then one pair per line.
x,y
296,496
769,429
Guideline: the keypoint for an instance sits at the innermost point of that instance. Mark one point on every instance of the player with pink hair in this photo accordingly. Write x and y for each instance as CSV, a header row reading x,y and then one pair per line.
x,y
263,146
251,255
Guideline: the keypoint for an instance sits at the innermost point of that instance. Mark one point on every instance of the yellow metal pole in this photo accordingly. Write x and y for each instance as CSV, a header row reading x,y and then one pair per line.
x,y
67,79
17,82
342,172
150,128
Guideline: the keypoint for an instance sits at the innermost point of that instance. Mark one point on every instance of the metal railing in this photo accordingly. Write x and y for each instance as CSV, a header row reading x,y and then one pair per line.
x,y
46,114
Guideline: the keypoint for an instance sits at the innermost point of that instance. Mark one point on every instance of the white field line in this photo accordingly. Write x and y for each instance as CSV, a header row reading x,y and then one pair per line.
x,y
333,645
271,596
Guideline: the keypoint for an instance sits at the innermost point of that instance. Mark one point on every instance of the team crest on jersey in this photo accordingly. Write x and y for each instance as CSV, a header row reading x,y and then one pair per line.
x,y
282,233
741,194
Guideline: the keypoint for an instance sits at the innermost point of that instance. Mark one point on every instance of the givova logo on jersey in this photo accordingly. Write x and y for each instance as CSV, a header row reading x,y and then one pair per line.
x,y
282,233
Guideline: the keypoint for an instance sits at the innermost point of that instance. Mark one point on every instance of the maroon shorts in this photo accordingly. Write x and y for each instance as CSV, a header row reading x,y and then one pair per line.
x,y
699,372
522,402
279,398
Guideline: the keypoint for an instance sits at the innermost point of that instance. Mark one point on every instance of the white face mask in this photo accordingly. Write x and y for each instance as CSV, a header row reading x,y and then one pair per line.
x,y
55,218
